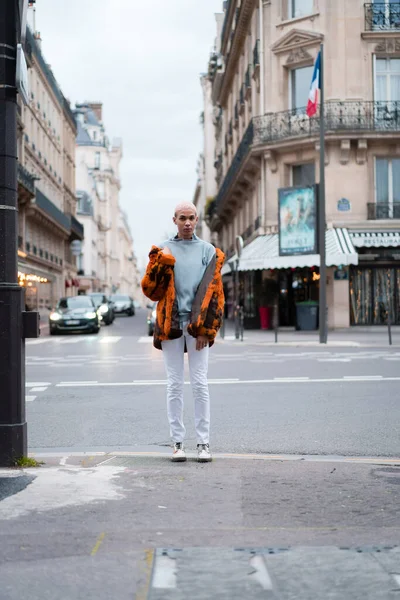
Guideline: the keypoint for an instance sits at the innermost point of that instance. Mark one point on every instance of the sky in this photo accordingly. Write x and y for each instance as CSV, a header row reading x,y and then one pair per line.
x,y
143,60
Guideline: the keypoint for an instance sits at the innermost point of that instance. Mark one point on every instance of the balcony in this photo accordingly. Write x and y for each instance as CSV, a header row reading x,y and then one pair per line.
x,y
383,16
77,229
51,210
294,125
383,210
26,179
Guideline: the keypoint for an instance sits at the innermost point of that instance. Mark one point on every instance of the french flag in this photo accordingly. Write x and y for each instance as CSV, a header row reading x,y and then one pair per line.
x,y
315,86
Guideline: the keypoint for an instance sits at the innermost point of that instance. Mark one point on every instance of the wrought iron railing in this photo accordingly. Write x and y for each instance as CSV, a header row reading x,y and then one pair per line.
x,y
51,209
241,154
339,117
383,210
382,16
26,179
247,79
256,54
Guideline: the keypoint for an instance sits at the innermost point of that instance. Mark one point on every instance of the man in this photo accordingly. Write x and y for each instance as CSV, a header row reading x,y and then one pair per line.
x,y
184,277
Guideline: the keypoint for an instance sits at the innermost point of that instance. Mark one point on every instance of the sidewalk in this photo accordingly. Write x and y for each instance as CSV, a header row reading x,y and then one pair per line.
x,y
109,525
353,337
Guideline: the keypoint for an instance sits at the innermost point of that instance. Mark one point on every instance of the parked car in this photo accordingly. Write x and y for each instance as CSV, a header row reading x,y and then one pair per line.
x,y
104,307
123,304
151,318
77,313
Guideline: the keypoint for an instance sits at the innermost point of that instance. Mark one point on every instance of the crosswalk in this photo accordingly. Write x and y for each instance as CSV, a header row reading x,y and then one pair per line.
x,y
59,341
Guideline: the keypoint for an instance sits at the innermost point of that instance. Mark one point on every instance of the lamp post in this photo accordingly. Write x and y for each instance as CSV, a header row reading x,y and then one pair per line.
x,y
15,324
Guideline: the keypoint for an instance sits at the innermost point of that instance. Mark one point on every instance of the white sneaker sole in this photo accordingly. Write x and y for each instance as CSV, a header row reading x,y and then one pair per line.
x,y
204,460
178,459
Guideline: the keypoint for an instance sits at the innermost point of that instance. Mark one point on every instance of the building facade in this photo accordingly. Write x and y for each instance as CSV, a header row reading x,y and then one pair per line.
x,y
108,242
47,268
260,80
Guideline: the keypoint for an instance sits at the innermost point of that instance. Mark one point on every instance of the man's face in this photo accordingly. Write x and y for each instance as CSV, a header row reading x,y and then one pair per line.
x,y
186,221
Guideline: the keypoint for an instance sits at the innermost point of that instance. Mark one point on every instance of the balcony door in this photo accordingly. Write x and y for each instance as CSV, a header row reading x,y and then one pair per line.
x,y
387,92
385,15
387,188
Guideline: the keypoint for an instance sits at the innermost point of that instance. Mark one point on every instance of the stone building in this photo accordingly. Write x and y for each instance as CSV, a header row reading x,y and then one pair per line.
x,y
108,242
46,186
260,76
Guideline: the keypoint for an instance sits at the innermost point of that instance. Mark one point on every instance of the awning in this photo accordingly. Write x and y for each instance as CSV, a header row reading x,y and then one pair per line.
x,y
375,239
263,253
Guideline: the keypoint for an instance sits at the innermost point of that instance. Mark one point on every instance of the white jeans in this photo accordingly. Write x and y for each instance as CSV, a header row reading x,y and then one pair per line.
x,y
174,352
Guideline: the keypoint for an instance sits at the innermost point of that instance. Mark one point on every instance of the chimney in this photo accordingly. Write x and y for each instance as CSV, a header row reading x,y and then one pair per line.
x,y
97,108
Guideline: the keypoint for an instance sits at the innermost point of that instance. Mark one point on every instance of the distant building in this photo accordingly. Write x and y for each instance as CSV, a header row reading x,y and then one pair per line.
x,y
47,221
108,241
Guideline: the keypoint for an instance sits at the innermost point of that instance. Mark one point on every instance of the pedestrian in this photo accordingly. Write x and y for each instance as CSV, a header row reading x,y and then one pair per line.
x,y
184,277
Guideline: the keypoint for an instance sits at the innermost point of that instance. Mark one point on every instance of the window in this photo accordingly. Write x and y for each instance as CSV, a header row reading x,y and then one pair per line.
x,y
387,187
303,174
384,15
97,160
94,135
387,79
300,81
300,8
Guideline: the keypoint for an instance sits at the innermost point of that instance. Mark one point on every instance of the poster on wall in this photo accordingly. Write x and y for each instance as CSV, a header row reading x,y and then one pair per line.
x,y
298,220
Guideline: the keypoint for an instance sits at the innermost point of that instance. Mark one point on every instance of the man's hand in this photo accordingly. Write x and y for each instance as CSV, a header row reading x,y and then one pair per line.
x,y
201,342
166,251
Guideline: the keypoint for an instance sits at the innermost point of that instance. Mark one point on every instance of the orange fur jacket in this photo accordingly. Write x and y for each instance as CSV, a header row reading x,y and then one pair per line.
x,y
208,305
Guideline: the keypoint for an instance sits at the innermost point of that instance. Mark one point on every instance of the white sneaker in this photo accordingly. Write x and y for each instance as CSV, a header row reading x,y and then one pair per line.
x,y
203,453
178,454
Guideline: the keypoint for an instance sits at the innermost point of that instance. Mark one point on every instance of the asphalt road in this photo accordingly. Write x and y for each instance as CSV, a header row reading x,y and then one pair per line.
x,y
107,392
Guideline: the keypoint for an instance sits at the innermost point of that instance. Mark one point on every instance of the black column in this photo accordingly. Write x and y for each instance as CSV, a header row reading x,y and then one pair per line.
x,y
13,429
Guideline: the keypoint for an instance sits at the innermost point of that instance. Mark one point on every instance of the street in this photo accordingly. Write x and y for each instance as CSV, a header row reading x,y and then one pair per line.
x,y
107,392
304,483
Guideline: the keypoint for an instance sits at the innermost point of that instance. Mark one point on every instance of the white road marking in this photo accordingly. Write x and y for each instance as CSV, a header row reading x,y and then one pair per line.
x,y
260,574
36,384
291,378
391,358
396,578
30,398
36,342
364,377
164,574
39,389
111,339
334,359
74,382
145,340
378,378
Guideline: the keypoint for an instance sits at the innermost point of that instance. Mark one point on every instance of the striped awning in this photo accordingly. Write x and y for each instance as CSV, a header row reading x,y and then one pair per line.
x,y
375,239
263,253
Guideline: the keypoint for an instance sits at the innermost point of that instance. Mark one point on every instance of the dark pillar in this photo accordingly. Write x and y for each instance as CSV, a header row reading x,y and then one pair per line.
x,y
13,430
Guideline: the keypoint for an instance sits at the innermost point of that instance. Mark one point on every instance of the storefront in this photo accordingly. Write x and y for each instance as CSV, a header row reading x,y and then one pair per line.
x,y
39,287
270,285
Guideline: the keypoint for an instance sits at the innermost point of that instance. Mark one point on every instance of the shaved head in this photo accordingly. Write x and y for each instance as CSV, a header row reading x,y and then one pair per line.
x,y
183,206
185,218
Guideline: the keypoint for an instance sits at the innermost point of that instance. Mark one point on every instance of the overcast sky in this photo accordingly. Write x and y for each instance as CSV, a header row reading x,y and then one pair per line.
x,y
142,59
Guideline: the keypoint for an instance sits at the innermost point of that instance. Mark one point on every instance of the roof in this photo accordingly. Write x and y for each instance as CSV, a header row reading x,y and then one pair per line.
x,y
263,253
82,136
375,239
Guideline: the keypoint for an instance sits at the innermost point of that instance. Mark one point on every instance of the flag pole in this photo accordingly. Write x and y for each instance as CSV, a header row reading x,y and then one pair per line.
x,y
323,324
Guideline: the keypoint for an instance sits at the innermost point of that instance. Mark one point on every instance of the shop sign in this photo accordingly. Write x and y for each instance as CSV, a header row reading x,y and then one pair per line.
x,y
28,279
298,221
344,205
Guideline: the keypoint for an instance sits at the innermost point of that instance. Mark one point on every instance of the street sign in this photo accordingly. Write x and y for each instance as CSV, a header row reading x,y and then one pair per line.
x,y
22,75
76,247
